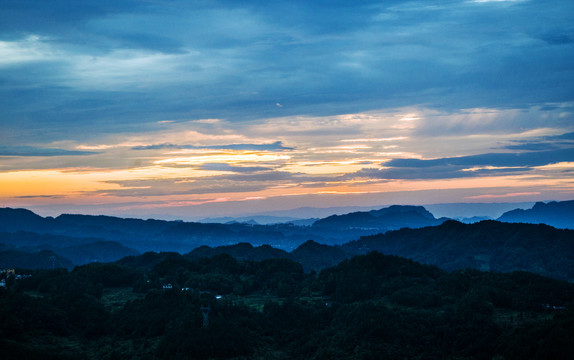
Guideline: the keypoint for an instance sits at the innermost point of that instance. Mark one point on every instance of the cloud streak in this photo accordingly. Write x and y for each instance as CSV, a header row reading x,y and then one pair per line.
x,y
467,166
276,146
40,152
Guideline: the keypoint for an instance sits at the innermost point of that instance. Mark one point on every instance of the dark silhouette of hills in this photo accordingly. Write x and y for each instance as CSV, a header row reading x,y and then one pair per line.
x,y
315,256
142,235
312,255
75,251
241,251
372,306
559,214
406,231
44,259
147,261
12,220
179,236
487,245
101,251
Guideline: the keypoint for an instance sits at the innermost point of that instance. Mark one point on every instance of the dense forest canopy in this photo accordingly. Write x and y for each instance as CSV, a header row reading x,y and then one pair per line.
x,y
372,306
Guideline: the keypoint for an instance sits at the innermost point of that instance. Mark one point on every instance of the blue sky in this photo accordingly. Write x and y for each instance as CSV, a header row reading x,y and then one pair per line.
x,y
185,107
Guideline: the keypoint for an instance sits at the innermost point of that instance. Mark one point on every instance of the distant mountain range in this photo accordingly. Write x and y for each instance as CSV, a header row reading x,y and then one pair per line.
x,y
33,250
159,235
29,240
390,218
557,214
456,211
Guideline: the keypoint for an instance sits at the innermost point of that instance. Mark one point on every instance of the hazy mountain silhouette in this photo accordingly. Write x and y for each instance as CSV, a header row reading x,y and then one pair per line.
x,y
76,251
101,251
559,214
254,220
160,235
390,218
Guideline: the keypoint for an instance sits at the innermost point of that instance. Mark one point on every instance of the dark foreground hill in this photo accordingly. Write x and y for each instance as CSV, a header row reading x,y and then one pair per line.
x,y
487,245
372,306
311,255
559,214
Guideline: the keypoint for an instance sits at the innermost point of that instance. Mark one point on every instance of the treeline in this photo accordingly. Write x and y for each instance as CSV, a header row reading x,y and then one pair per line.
x,y
488,245
372,306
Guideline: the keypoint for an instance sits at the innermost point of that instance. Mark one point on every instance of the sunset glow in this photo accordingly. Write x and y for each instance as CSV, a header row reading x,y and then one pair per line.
x,y
186,109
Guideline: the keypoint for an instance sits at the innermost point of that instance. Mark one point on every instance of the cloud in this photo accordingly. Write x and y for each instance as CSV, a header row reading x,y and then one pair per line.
x,y
466,166
35,151
552,142
240,180
236,169
528,159
276,146
142,61
40,196
501,196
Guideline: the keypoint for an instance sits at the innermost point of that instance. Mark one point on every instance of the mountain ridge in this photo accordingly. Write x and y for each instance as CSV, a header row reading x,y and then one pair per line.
x,y
403,230
559,214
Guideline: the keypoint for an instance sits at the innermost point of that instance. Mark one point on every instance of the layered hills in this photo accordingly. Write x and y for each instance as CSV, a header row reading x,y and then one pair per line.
x,y
406,231
414,287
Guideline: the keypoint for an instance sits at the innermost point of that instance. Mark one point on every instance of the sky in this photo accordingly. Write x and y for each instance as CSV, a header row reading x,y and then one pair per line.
x,y
189,109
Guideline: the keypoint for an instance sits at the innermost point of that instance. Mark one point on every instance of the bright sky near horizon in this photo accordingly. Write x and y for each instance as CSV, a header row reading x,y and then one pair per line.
x,y
207,108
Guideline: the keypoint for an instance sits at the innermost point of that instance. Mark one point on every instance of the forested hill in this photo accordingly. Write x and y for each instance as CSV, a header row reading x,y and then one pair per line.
x,y
487,245
311,255
372,306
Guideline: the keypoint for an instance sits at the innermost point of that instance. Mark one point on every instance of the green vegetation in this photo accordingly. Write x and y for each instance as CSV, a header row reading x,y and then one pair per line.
x,y
371,306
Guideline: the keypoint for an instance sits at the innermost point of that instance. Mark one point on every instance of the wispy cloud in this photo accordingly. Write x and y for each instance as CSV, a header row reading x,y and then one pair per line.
x,y
262,147
500,196
467,166
39,152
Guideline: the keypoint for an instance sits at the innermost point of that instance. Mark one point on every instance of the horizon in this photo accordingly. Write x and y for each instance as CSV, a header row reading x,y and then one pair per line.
x,y
207,109
454,211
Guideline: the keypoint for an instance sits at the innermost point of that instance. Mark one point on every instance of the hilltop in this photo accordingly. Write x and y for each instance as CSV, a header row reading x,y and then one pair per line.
x,y
559,214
